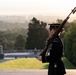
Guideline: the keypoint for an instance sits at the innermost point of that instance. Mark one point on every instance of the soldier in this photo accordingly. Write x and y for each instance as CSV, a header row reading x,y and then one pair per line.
x,y
56,66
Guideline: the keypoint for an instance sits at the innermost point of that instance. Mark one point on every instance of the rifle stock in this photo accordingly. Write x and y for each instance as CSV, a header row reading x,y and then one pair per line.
x,y
56,33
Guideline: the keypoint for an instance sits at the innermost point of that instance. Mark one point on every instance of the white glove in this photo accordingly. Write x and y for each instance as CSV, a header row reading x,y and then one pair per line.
x,y
39,58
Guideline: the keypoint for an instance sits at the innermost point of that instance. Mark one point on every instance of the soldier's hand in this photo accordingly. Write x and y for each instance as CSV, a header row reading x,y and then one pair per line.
x,y
39,58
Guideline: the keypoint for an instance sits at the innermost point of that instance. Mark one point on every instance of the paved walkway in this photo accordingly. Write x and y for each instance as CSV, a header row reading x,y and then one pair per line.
x,y
31,72
5,59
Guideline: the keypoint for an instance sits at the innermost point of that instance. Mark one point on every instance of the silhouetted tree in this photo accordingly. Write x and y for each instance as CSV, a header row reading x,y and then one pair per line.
x,y
37,34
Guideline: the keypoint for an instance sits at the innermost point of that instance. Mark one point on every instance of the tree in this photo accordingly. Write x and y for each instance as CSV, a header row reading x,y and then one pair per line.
x,y
19,43
64,29
3,42
9,45
37,34
66,25
70,43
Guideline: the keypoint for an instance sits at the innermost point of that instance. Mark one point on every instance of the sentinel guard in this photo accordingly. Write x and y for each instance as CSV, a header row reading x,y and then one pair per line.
x,y
56,66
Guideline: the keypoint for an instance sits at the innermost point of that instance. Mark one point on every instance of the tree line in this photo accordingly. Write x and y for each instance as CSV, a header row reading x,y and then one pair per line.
x,y
70,42
8,38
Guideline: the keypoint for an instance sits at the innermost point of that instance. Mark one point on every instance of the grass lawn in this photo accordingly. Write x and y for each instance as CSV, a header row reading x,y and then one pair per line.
x,y
29,63
23,63
68,64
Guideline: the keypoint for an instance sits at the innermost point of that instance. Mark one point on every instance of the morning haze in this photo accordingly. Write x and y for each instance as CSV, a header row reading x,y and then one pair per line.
x,y
15,12
17,21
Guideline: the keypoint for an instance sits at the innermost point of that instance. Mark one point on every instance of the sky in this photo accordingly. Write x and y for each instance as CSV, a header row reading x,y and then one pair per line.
x,y
23,7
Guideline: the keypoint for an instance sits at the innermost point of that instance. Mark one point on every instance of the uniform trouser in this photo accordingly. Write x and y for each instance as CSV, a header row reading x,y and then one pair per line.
x,y
52,70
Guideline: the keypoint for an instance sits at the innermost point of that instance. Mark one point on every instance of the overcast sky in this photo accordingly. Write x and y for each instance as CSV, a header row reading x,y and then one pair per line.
x,y
22,7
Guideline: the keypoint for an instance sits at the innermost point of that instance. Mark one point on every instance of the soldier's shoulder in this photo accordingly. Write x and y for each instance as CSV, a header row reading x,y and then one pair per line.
x,y
56,40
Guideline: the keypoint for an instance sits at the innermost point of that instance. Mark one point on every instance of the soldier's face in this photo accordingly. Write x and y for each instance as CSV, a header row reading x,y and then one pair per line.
x,y
51,32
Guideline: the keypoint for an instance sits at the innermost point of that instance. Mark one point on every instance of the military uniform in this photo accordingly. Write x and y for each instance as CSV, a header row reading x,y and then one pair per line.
x,y
56,66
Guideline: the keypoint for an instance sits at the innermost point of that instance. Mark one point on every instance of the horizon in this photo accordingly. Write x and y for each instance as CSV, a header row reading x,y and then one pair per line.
x,y
43,17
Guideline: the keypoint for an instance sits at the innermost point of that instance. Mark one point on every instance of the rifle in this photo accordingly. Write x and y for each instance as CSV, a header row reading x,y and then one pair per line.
x,y
57,32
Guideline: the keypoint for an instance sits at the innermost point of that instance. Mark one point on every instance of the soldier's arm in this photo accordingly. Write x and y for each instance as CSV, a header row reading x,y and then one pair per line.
x,y
45,59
